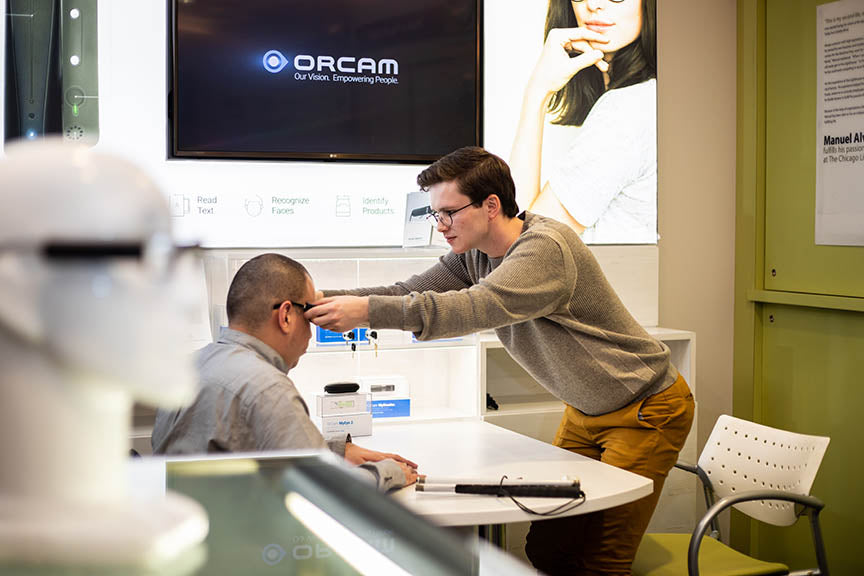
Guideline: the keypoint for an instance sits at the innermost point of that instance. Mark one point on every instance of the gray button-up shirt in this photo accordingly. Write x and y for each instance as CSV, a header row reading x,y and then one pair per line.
x,y
247,403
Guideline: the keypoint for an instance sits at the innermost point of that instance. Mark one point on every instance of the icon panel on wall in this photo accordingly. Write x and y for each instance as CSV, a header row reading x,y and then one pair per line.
x,y
179,205
343,206
253,205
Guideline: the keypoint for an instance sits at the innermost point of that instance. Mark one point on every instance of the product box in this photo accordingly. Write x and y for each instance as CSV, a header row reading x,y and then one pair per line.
x,y
391,408
390,397
333,404
359,424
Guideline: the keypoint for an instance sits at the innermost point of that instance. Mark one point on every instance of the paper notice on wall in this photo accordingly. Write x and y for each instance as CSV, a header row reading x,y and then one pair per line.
x,y
840,123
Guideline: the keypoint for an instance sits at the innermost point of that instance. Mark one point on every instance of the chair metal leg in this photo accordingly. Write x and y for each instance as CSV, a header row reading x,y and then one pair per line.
x,y
818,543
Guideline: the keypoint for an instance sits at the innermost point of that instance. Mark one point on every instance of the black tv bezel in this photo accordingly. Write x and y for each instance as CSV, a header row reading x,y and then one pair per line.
x,y
176,153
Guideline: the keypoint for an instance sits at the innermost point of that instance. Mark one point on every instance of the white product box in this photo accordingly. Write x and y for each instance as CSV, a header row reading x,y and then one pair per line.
x,y
359,424
390,397
394,386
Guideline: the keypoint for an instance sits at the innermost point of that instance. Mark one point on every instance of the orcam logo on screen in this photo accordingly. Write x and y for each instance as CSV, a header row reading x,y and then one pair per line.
x,y
274,61
325,68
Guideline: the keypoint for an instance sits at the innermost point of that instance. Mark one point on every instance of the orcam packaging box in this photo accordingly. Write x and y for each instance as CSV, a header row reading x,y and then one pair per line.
x,y
359,424
390,397
391,408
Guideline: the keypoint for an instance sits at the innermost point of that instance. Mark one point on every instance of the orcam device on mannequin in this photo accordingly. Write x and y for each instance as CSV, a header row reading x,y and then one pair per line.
x,y
92,306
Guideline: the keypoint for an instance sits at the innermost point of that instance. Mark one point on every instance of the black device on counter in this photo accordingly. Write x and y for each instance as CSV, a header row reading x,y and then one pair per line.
x,y
341,387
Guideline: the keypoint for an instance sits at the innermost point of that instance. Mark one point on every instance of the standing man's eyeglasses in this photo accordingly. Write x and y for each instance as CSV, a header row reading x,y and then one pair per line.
x,y
305,307
446,216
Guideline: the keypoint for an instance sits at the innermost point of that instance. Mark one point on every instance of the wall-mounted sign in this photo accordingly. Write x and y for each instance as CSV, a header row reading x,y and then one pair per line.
x,y
840,123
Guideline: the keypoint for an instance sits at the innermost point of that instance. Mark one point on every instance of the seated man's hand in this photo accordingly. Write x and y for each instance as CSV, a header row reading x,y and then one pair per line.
x,y
410,473
357,455
340,313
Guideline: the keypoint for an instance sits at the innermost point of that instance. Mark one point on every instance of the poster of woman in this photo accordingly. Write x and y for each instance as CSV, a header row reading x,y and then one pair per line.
x,y
584,148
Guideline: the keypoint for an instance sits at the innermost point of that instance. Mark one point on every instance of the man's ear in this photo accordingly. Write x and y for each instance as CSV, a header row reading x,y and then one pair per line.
x,y
493,206
283,318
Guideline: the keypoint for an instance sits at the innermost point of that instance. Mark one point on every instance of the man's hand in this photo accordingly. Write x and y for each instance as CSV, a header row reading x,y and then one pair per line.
x,y
340,313
409,472
356,455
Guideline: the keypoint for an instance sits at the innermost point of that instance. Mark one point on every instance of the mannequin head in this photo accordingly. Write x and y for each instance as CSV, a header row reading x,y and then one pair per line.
x,y
92,311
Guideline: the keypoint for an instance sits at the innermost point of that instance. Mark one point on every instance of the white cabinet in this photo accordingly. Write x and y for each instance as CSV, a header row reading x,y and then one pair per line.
x,y
441,376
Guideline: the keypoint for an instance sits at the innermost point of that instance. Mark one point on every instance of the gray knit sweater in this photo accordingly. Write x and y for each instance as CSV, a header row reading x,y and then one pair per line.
x,y
551,307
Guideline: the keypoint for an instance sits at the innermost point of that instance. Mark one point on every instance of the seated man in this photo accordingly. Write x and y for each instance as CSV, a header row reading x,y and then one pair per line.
x,y
246,402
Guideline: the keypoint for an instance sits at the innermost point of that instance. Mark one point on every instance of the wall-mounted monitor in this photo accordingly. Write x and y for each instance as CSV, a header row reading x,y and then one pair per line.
x,y
384,80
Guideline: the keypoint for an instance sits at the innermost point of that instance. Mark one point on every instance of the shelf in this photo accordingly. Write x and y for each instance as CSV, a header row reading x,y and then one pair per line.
x,y
667,334
363,348
425,415
141,432
524,405
490,340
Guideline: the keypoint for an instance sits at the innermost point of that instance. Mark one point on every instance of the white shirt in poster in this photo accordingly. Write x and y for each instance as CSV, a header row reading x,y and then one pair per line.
x,y
605,173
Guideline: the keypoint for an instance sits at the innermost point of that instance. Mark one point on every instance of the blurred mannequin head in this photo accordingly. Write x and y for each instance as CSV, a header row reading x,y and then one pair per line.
x,y
93,314
88,272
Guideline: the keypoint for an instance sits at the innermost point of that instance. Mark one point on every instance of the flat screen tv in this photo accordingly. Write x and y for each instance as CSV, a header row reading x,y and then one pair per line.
x,y
386,80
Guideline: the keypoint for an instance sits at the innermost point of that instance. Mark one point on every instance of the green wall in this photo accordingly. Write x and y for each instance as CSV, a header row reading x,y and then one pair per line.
x,y
799,311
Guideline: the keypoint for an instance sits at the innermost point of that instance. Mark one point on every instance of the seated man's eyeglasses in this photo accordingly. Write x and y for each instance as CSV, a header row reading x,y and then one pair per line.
x,y
305,307
446,216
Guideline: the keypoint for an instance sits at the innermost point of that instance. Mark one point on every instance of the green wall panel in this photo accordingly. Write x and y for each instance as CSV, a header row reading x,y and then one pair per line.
x,y
812,383
792,260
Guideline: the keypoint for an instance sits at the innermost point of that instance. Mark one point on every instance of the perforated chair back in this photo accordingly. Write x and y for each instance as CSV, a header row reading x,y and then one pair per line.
x,y
741,456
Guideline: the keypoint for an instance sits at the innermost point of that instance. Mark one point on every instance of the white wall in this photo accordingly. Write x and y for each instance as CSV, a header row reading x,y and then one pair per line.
x,y
696,168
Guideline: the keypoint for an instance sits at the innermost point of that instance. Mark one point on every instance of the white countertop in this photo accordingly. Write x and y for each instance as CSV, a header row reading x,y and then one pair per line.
x,y
476,449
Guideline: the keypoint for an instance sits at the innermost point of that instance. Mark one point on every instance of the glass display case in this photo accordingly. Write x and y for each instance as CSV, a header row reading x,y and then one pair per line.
x,y
298,515
305,515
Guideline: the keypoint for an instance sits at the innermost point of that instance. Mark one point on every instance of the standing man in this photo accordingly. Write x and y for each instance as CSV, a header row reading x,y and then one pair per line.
x,y
246,402
533,280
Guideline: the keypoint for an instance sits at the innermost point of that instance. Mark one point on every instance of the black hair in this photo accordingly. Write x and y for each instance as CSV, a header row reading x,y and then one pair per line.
x,y
260,283
478,173
630,65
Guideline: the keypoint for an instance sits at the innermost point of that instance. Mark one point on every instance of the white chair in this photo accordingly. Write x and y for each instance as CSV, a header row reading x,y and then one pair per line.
x,y
761,471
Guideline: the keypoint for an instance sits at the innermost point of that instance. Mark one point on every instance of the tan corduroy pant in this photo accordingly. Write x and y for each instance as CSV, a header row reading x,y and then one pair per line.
x,y
645,438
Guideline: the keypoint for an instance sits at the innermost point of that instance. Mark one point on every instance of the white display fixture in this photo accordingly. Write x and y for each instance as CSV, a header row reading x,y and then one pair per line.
x,y
526,407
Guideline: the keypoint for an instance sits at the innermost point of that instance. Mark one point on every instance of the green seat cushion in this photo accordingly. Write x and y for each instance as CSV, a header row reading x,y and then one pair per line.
x,y
666,555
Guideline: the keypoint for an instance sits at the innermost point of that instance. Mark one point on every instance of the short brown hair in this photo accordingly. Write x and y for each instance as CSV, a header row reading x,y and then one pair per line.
x,y
262,282
478,173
